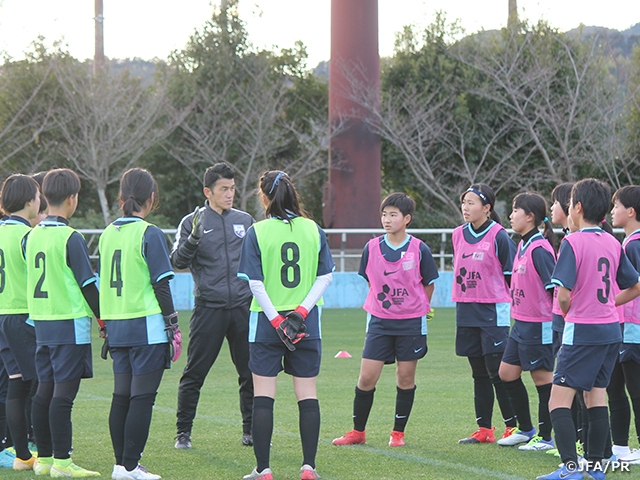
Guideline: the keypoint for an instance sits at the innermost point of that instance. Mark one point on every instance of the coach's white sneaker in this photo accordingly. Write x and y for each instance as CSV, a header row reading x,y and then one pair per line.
x,y
633,457
138,473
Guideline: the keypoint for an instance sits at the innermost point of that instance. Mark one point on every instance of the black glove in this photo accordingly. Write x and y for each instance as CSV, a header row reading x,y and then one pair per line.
x,y
197,227
173,335
294,327
277,324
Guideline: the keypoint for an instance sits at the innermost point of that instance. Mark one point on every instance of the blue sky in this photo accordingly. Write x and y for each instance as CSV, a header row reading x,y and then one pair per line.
x,y
153,28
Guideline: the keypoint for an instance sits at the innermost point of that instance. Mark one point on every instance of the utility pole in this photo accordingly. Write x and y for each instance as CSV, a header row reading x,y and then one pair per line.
x,y
98,58
513,14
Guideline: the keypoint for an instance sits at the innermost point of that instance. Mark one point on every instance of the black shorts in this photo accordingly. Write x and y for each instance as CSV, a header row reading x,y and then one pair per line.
x,y
584,367
529,357
269,359
389,348
63,363
18,346
141,359
480,341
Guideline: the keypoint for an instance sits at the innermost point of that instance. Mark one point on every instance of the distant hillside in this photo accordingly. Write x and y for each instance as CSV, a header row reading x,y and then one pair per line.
x,y
614,41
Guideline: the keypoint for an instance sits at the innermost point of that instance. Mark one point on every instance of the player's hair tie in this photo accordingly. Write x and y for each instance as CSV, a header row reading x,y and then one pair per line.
x,y
482,196
276,181
545,219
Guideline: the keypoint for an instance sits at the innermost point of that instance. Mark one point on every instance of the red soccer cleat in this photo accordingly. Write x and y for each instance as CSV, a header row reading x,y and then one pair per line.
x,y
354,437
397,439
482,435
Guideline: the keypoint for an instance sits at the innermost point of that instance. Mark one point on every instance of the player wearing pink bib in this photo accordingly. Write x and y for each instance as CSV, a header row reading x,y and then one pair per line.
x,y
483,257
626,373
400,270
529,347
590,260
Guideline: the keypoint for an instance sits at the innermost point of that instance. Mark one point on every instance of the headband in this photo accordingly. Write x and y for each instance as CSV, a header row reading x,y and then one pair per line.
x,y
482,196
276,181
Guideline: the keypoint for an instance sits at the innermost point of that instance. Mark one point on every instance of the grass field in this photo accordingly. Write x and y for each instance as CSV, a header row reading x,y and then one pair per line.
x,y
442,414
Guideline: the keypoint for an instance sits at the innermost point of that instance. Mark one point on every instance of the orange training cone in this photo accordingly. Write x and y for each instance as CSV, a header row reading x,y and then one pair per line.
x,y
343,354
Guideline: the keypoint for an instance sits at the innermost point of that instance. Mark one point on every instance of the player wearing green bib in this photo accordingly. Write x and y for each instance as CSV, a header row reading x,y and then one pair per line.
x,y
61,294
136,304
287,261
20,198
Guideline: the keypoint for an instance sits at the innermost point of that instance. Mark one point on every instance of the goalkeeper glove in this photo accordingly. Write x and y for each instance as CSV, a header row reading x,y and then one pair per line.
x,y
197,226
430,314
277,323
173,335
296,327
103,334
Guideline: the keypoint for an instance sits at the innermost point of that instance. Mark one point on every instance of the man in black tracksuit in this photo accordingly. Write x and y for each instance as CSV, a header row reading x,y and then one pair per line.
x,y
209,242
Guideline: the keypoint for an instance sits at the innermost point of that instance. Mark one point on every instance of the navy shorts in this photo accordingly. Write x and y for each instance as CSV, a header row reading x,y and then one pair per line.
x,y
141,359
269,359
629,352
480,341
18,346
389,348
63,363
557,343
529,357
584,367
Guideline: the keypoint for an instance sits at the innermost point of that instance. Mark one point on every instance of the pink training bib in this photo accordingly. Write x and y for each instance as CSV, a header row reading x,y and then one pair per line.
x,y
396,290
593,295
478,272
530,301
631,310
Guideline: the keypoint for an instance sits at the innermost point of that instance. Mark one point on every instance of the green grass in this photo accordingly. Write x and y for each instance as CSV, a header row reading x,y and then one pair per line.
x,y
442,414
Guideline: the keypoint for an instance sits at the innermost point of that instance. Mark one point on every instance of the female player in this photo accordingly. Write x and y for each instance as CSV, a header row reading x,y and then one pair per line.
x,y
288,264
529,346
626,373
483,259
139,316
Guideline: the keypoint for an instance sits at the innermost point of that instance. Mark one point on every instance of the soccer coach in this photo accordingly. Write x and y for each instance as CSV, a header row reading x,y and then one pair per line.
x,y
209,243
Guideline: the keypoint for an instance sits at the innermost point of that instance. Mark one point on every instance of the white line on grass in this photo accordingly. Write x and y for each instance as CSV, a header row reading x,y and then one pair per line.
x,y
458,467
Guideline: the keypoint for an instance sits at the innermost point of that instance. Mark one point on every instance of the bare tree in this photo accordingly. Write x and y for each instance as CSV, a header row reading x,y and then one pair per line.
x,y
247,125
108,122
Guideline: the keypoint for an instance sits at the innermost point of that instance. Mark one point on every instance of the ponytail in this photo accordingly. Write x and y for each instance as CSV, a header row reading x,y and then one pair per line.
x,y
283,199
606,226
136,188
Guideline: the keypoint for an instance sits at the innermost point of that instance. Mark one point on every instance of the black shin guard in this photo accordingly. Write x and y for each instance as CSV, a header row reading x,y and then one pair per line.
x,y
404,404
309,429
362,403
262,427
41,429
492,363
60,424
565,432
544,419
598,428
117,421
483,395
136,429
520,402
17,395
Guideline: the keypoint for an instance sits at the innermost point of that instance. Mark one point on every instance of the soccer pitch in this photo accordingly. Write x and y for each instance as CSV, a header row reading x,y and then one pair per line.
x,y
442,414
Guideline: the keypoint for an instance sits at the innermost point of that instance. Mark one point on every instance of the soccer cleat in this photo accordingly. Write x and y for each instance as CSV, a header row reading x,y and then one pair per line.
x,y
183,440
621,451
516,436
633,458
138,473
33,448
354,437
537,443
482,435
594,474
19,464
247,440
396,439
307,472
561,474
43,465
554,452
265,474
6,459
66,468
